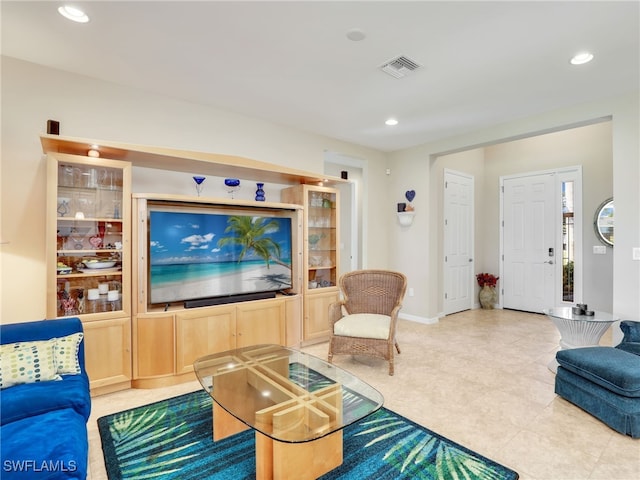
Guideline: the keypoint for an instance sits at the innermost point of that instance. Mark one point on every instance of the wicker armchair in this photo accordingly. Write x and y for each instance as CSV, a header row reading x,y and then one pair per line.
x,y
364,323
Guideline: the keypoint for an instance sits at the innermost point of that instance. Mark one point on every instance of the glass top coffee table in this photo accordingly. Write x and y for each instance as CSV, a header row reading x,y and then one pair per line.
x,y
297,404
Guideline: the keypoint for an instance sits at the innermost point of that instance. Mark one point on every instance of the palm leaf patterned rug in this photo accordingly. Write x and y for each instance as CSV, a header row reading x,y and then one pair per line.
x,y
172,439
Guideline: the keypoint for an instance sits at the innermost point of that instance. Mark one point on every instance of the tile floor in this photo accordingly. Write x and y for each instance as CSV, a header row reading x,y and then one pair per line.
x,y
479,378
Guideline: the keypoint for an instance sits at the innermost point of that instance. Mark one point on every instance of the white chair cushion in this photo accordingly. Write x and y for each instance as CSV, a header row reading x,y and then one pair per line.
x,y
365,325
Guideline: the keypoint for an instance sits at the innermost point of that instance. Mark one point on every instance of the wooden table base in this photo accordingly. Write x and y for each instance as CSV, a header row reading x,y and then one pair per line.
x,y
297,461
281,460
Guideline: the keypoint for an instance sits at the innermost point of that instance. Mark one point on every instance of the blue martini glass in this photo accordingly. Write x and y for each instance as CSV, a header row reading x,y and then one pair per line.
x,y
199,185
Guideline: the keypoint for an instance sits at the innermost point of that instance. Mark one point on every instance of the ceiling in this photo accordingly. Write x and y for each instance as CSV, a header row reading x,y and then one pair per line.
x,y
481,63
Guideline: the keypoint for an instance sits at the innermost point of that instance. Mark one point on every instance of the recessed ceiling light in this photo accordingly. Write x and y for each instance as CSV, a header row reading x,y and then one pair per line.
x,y
73,13
581,58
391,121
356,35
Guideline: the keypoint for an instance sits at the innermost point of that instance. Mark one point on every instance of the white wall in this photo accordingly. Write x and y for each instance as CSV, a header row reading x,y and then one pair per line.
x,y
416,250
93,109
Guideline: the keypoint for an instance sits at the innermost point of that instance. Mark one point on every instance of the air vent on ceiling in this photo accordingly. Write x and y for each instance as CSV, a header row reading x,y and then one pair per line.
x,y
399,67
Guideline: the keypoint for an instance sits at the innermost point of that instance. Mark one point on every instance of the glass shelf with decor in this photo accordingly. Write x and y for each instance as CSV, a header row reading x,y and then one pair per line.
x,y
86,222
320,233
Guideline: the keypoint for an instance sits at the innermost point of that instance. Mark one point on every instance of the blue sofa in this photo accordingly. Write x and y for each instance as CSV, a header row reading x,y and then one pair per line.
x,y
43,423
605,381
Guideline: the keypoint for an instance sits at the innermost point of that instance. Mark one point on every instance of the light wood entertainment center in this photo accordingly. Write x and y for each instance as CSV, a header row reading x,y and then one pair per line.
x,y
130,343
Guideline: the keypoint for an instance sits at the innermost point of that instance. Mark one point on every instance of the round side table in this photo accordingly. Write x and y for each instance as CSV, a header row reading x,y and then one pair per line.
x,y
578,330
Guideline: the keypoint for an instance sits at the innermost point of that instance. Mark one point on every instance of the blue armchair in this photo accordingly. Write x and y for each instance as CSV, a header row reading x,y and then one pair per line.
x,y
605,381
631,340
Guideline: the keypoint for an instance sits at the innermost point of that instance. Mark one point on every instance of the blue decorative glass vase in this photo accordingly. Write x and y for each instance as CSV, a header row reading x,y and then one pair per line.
x,y
260,193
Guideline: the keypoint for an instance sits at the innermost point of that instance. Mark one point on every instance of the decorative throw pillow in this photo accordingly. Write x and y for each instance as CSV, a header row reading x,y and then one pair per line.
x,y
66,354
27,362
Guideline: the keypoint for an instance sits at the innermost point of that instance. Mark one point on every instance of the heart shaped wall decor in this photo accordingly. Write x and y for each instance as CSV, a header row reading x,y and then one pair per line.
x,y
410,194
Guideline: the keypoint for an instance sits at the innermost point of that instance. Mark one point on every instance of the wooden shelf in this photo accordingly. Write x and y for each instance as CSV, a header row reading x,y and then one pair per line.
x,y
97,273
186,161
216,201
90,219
178,307
71,251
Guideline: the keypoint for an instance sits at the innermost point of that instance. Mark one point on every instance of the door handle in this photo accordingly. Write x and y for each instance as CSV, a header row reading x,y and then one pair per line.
x,y
550,262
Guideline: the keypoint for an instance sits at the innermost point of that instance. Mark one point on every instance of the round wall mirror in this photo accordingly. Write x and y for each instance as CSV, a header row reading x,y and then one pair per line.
x,y
603,222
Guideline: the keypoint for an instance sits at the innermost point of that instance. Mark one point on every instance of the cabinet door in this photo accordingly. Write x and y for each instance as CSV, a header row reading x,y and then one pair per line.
x,y
154,347
322,237
293,327
203,332
107,349
321,234
261,322
88,237
316,314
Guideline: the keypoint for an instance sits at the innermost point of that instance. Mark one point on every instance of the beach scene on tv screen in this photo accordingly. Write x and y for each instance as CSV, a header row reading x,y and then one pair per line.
x,y
202,255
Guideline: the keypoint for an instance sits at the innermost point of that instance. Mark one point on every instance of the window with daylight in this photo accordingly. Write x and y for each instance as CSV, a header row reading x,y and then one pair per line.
x,y
568,240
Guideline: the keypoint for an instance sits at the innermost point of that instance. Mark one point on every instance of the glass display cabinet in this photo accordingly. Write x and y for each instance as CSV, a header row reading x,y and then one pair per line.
x,y
321,239
321,255
87,228
89,260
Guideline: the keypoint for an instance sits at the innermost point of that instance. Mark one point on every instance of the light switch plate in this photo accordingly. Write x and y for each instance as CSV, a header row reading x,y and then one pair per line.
x,y
636,253
599,250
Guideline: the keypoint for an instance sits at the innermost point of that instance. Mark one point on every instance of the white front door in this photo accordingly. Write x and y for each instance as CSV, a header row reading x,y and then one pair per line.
x,y
458,242
529,242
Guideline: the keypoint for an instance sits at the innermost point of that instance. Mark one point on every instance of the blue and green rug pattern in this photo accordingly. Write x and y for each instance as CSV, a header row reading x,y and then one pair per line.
x,y
172,439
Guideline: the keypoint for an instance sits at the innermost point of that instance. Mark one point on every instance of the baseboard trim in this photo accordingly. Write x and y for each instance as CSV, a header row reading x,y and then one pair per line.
x,y
417,319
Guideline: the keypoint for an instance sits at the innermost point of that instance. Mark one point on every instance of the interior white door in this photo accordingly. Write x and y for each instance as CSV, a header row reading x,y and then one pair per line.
x,y
348,228
458,242
353,209
529,234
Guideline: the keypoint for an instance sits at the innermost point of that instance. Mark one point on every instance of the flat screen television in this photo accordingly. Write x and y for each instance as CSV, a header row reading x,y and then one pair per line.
x,y
196,253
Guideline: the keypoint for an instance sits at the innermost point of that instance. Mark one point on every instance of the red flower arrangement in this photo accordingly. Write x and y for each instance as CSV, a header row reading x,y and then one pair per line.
x,y
487,279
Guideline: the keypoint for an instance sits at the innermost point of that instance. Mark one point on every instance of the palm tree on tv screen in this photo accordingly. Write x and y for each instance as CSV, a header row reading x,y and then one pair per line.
x,y
251,233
